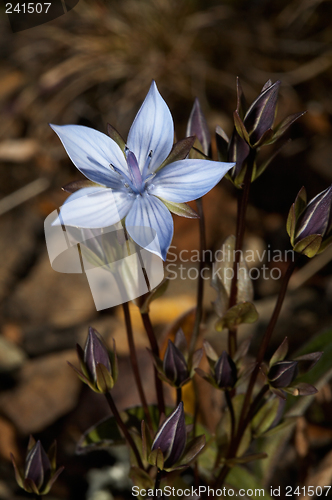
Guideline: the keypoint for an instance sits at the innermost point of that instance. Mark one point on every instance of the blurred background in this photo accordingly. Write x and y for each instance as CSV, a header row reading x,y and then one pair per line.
x,y
94,65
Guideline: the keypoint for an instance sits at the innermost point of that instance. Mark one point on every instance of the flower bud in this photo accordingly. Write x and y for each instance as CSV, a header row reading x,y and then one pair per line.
x,y
171,437
99,368
40,469
174,365
198,126
311,229
260,116
253,127
282,374
225,372
95,353
175,369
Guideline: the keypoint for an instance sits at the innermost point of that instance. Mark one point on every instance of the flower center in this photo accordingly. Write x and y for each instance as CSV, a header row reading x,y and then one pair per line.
x,y
135,181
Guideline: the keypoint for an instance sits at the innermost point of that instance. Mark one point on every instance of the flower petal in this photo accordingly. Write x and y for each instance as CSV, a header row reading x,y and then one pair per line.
x,y
92,153
187,180
94,207
150,224
152,130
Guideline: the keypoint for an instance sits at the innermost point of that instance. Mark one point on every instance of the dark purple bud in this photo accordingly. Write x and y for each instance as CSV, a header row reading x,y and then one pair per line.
x,y
171,437
225,371
95,353
197,126
37,466
282,374
174,365
260,116
316,218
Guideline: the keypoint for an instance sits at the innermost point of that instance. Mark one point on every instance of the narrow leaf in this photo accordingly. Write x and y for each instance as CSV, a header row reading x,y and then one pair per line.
x,y
181,209
180,151
114,134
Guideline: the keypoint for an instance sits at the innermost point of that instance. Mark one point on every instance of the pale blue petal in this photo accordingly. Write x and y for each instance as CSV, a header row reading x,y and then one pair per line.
x,y
94,208
92,153
150,224
187,180
152,130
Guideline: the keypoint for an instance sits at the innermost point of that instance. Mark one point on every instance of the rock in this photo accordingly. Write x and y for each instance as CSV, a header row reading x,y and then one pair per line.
x,y
47,389
50,298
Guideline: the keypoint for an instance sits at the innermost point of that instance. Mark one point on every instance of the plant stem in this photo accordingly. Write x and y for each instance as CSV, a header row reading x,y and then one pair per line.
x,y
159,477
267,338
155,349
240,228
247,410
178,395
254,404
134,364
231,412
200,284
124,429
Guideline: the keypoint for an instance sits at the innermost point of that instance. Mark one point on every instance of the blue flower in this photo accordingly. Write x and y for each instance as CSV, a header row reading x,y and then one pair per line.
x,y
126,181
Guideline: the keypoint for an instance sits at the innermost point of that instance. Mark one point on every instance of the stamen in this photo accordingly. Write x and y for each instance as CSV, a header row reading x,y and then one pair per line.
x,y
134,171
147,164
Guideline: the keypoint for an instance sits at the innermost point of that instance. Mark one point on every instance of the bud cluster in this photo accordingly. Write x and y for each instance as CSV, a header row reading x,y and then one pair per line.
x,y
253,128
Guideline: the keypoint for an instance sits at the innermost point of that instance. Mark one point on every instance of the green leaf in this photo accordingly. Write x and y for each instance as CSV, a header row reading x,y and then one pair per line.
x,y
319,375
106,433
240,477
274,447
179,151
280,353
156,458
244,312
245,459
141,478
223,275
114,134
105,381
193,448
181,209
265,417
154,294
281,128
223,430
276,439
309,246
240,127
